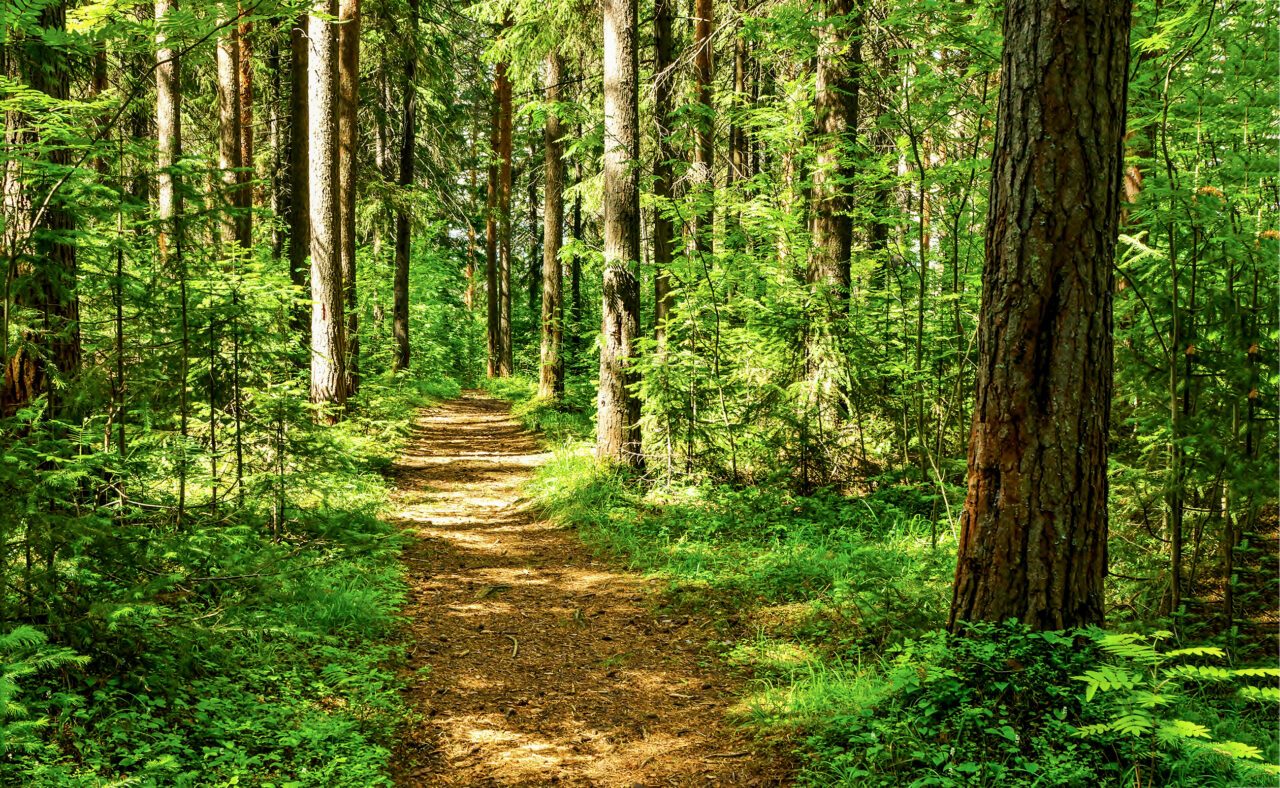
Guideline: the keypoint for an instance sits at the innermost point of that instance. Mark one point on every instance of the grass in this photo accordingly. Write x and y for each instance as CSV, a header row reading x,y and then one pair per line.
x,y
835,605
257,655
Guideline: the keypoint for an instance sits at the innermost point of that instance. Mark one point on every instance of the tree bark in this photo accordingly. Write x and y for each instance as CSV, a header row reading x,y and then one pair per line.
x,y
664,231
704,149
1033,542
299,169
234,226
408,137
348,139
618,408
244,62
328,344
491,237
505,359
551,379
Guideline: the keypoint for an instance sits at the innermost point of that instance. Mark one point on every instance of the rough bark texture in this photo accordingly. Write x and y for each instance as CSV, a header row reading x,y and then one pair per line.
x,y
299,164
328,345
244,62
168,134
551,377
835,122
1033,543
46,278
704,151
664,231
491,240
618,408
234,227
505,362
409,133
348,140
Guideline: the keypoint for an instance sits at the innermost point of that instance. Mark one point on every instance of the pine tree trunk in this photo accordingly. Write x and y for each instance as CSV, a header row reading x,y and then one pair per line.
x,y
348,139
1033,542
244,62
664,231
618,408
229,142
505,358
408,138
328,345
551,379
299,170
491,238
704,149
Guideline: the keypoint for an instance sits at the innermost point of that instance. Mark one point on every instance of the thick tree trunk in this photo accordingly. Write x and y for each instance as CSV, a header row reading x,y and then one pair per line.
x,y
328,345
234,226
505,359
47,278
348,140
408,138
244,62
1033,542
704,149
551,379
664,230
299,169
618,408
491,238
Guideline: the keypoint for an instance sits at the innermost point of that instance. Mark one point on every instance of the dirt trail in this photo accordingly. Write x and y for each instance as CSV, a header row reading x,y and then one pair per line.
x,y
545,664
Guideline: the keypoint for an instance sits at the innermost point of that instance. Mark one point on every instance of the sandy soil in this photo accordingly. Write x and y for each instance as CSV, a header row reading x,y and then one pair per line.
x,y
542,664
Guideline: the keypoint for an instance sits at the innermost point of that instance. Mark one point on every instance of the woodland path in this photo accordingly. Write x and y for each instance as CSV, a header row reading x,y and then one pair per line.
x,y
545,663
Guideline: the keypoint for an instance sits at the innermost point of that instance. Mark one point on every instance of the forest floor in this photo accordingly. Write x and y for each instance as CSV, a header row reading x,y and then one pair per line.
x,y
539,662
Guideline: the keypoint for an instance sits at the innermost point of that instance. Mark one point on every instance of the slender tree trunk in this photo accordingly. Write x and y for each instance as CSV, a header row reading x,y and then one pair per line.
x,y
244,62
408,138
1033,542
664,231
551,379
704,149
535,241
348,140
299,170
618,407
276,141
328,344
229,141
505,360
492,295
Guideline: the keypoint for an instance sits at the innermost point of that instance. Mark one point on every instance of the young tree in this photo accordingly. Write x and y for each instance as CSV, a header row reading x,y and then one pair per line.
x,y
408,136
492,296
1033,542
618,407
328,345
551,377
348,139
664,230
505,358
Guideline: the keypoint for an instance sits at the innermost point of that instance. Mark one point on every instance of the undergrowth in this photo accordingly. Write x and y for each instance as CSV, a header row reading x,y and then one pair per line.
x,y
246,649
836,604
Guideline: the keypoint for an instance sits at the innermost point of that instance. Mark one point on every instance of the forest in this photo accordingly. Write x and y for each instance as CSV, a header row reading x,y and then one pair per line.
x,y
639,393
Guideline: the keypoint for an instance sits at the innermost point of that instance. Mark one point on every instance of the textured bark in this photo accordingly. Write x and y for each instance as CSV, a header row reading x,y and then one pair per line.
x,y
835,122
1033,542
46,279
618,408
299,169
244,62
664,231
348,140
328,345
168,136
234,227
505,362
491,239
551,378
408,136
704,149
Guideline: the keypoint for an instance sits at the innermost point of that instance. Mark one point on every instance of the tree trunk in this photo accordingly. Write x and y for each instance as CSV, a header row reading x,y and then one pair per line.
x,y
618,408
505,360
229,142
47,278
299,169
1033,542
664,231
244,62
348,139
328,345
551,379
704,149
491,237
408,137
